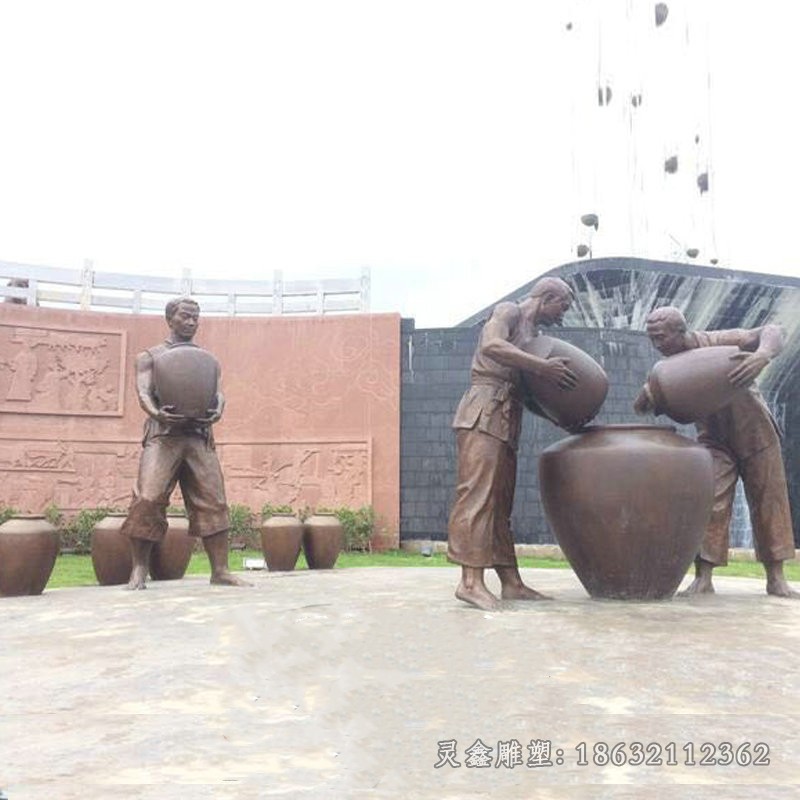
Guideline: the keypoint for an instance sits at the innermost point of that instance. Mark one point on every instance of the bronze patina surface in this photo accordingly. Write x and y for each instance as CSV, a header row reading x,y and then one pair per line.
x,y
744,442
179,449
487,424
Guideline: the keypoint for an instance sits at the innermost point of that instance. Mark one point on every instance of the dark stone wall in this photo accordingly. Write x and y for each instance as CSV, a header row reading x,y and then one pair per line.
x,y
435,373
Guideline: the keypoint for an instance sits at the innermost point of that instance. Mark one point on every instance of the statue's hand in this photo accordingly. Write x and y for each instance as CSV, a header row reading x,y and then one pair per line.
x,y
212,415
643,404
580,426
555,370
167,414
748,369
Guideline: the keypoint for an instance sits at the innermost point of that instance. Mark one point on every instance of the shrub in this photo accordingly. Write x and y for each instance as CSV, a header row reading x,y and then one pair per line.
x,y
358,526
268,510
243,529
76,533
54,515
6,512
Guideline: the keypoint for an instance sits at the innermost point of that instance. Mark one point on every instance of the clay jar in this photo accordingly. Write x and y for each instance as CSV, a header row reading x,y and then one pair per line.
x,y
185,377
170,557
29,545
281,540
691,385
111,551
567,409
323,539
629,505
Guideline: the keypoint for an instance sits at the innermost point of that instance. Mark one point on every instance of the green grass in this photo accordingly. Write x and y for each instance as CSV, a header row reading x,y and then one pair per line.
x,y
74,570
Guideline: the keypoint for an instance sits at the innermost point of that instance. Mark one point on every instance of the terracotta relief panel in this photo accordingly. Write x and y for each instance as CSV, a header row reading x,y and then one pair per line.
x,y
76,475
299,474
69,372
73,475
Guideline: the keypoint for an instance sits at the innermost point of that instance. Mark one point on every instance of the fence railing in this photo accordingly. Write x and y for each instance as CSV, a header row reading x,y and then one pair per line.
x,y
142,294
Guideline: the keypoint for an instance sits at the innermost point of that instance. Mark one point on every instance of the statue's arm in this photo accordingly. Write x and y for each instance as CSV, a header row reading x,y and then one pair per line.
x,y
496,344
145,393
759,346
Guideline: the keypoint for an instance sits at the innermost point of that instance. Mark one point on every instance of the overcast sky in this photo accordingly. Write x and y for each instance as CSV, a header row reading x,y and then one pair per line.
x,y
451,146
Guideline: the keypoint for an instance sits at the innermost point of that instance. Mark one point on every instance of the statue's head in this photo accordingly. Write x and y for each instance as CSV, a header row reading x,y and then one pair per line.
x,y
666,328
554,296
183,318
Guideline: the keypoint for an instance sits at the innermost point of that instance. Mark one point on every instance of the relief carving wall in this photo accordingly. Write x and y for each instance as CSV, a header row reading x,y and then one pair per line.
x,y
50,371
311,420
76,475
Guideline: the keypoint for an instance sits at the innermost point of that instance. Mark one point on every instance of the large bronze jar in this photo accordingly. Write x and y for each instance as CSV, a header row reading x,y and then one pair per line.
x,y
111,551
281,540
323,539
568,409
693,384
29,545
629,505
185,378
170,557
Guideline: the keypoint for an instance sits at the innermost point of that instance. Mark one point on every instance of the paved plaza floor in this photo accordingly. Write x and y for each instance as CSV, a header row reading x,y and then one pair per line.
x,y
357,682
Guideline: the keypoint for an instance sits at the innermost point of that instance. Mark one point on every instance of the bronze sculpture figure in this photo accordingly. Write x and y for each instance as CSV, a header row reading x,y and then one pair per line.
x,y
744,442
179,449
487,424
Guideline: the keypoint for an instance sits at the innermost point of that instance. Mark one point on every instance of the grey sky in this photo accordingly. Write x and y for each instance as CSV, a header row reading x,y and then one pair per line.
x,y
449,146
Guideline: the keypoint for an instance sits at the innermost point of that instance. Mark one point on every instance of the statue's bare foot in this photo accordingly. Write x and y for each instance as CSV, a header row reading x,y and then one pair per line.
x,y
226,578
522,592
478,596
700,585
778,587
138,578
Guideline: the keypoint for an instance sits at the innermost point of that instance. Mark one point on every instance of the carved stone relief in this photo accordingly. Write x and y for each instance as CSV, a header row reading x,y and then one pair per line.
x,y
76,475
51,371
299,474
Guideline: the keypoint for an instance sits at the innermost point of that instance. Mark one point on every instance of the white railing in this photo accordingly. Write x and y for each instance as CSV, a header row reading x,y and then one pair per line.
x,y
142,294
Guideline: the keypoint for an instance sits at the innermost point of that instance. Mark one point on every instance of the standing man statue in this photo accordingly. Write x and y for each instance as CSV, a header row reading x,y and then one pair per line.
x,y
177,449
487,424
744,442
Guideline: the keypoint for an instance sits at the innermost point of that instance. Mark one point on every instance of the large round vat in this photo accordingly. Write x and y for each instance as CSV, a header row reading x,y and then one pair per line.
x,y
629,505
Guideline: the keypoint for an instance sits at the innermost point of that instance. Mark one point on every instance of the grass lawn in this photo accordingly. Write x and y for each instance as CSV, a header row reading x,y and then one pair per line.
x,y
76,570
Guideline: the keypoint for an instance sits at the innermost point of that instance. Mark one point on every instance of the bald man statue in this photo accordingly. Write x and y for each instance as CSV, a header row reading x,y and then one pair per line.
x,y
487,424
744,442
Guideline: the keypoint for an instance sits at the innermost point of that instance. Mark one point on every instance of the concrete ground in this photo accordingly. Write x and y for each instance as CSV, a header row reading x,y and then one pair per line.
x,y
342,684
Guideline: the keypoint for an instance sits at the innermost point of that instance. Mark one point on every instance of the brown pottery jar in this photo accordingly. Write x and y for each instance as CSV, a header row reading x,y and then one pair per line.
x,y
323,539
567,409
281,540
689,386
170,557
629,505
111,551
185,377
29,545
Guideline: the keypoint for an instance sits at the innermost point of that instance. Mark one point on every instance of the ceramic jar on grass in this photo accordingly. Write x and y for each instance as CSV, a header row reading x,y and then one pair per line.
x,y
29,545
281,539
323,539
